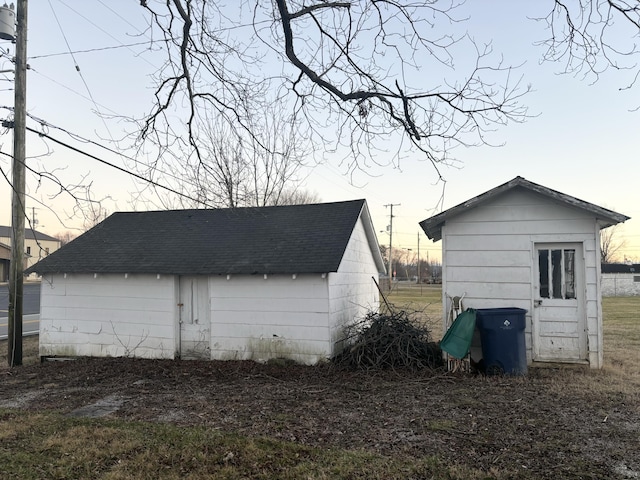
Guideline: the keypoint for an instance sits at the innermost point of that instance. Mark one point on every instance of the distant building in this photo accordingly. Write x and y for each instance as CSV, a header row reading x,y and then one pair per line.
x,y
620,279
37,245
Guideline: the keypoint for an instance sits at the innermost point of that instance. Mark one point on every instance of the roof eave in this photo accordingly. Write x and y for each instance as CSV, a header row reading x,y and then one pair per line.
x,y
372,238
606,218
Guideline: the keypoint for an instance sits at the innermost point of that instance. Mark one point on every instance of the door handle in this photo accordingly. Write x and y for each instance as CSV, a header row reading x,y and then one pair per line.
x,y
537,303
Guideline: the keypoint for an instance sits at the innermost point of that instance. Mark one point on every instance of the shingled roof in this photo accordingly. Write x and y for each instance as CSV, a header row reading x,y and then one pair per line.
x,y
620,268
284,239
433,226
29,234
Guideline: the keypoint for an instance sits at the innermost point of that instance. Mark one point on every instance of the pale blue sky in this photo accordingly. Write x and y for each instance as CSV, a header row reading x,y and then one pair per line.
x,y
583,141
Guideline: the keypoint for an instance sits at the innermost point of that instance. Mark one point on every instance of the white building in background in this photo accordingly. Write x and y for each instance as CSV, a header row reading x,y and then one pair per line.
x,y
620,280
37,245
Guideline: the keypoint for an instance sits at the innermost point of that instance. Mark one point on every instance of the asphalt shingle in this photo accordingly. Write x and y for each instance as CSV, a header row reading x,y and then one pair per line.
x,y
283,239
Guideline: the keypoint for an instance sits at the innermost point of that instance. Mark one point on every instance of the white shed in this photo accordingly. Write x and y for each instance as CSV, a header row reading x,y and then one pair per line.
x,y
247,283
526,246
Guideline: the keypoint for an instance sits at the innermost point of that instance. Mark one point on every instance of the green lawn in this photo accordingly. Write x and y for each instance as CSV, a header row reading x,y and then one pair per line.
x,y
424,301
621,319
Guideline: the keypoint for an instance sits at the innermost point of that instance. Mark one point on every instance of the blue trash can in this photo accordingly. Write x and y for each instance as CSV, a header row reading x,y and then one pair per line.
x,y
504,350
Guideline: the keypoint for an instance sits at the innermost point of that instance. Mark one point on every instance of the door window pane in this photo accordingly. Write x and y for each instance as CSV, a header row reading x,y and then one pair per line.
x,y
556,273
569,274
543,268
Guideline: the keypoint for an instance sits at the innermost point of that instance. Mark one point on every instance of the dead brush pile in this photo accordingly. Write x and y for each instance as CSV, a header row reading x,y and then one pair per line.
x,y
394,340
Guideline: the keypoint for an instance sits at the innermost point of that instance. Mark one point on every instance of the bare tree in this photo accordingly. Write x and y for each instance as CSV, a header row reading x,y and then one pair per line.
x,y
298,196
379,76
588,37
234,168
610,244
65,237
46,185
93,212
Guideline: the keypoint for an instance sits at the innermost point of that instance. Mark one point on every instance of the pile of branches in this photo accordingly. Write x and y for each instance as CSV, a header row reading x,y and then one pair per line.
x,y
394,340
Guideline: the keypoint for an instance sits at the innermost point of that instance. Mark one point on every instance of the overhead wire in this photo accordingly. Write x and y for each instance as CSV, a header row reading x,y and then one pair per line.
x,y
77,67
98,27
117,167
88,50
80,138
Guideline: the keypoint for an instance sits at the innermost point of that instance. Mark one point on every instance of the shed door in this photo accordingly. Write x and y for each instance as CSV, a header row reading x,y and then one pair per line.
x,y
195,323
559,304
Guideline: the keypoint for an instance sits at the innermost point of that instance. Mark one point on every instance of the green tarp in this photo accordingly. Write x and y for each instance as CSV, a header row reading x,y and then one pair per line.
x,y
457,341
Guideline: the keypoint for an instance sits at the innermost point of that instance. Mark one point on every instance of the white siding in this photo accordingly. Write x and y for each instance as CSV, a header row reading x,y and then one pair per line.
x,y
488,254
253,318
620,284
300,318
107,316
352,290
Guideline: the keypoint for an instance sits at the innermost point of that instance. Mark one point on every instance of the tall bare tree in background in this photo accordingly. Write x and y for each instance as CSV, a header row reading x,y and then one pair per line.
x,y
610,244
65,237
237,169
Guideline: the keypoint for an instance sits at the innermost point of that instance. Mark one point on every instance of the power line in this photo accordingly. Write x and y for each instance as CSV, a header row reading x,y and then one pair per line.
x,y
84,81
98,27
124,19
89,50
80,138
128,172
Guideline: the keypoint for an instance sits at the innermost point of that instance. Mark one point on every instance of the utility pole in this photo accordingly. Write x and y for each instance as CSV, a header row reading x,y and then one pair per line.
x,y
34,220
16,270
419,259
391,242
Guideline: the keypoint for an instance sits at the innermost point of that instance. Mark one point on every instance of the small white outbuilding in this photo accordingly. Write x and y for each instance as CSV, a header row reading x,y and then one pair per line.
x,y
246,283
526,246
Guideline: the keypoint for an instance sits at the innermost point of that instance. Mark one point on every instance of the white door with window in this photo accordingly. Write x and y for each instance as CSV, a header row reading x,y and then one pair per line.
x,y
559,307
195,323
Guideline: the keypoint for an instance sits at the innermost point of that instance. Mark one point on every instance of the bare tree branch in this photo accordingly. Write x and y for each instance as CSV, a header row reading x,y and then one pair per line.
x,y
371,81
591,36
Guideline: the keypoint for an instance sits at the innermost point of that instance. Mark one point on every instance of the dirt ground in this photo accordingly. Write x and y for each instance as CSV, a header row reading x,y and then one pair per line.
x,y
553,423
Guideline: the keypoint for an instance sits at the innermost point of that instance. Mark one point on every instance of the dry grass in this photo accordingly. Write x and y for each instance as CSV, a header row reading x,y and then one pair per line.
x,y
424,301
51,446
48,444
621,324
622,335
29,352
